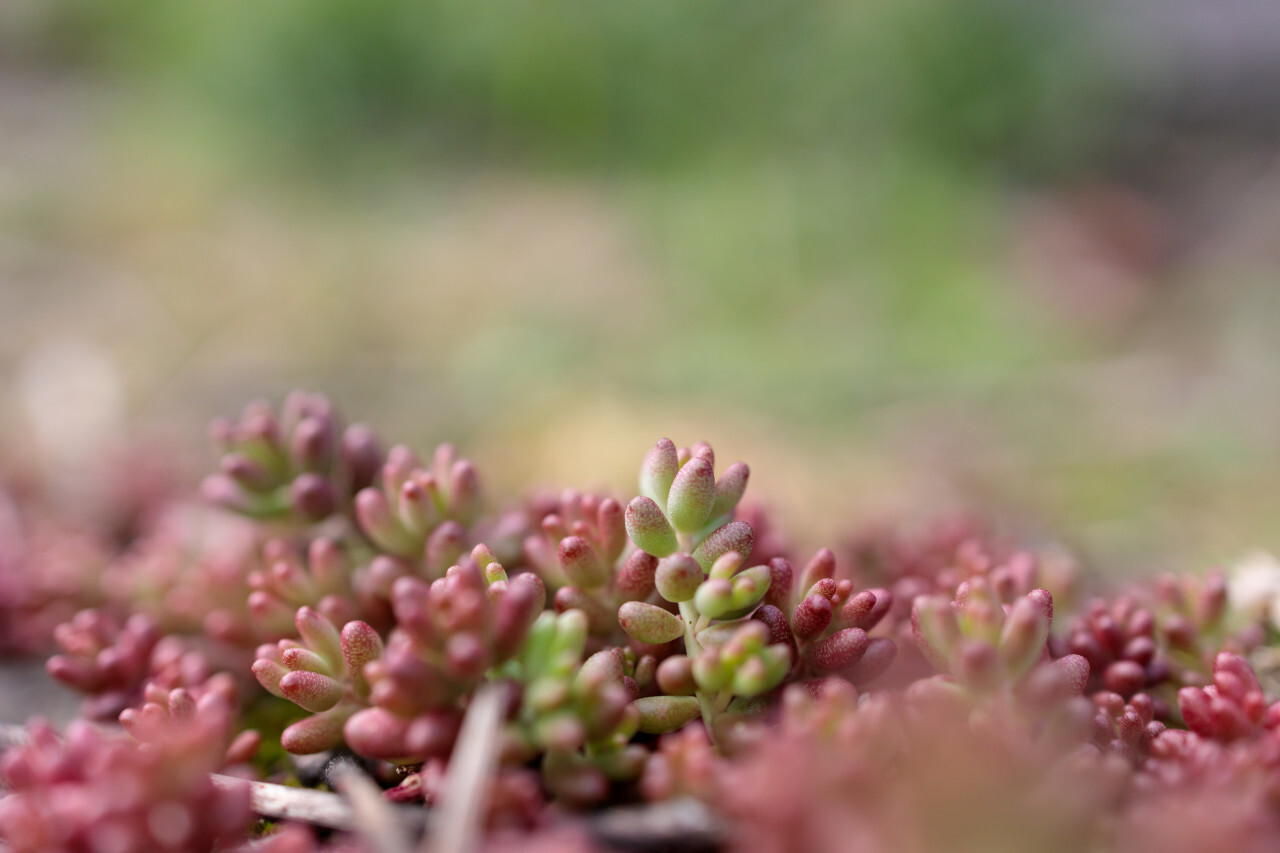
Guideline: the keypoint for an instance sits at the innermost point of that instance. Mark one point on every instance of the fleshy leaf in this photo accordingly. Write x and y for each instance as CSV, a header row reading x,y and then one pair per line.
x,y
659,471
734,536
692,494
649,529
649,623
662,714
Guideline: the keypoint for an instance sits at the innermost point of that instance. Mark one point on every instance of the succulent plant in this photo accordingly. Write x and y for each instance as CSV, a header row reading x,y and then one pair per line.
x,y
419,513
1126,728
581,552
450,634
322,672
49,569
683,517
579,715
207,709
104,659
300,465
1118,639
1232,707
909,695
979,644
93,791
287,582
825,623
190,573
1191,619
994,660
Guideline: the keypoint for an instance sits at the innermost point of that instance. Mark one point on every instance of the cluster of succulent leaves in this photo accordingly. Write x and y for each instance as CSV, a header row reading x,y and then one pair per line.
x,y
330,597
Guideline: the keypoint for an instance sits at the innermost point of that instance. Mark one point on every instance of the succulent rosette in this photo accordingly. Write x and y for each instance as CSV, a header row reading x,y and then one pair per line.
x,y
450,635
582,553
301,464
94,791
1118,639
104,659
579,715
1193,622
994,659
321,579
321,672
1232,707
421,514
825,622
1126,728
683,517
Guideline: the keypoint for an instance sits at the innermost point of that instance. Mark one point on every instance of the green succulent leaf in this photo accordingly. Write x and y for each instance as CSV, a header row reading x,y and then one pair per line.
x,y
663,714
649,623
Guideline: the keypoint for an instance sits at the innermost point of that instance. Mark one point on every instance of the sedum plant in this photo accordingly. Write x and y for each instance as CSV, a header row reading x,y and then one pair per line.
x,y
684,518
525,668
288,581
824,623
95,791
323,673
418,513
582,553
300,465
578,714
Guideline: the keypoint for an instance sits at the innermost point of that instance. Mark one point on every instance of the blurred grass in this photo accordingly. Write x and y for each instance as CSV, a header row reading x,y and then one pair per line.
x,y
578,83
556,231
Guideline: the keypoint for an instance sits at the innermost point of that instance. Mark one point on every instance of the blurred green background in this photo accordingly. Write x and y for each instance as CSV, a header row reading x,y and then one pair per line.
x,y
903,256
